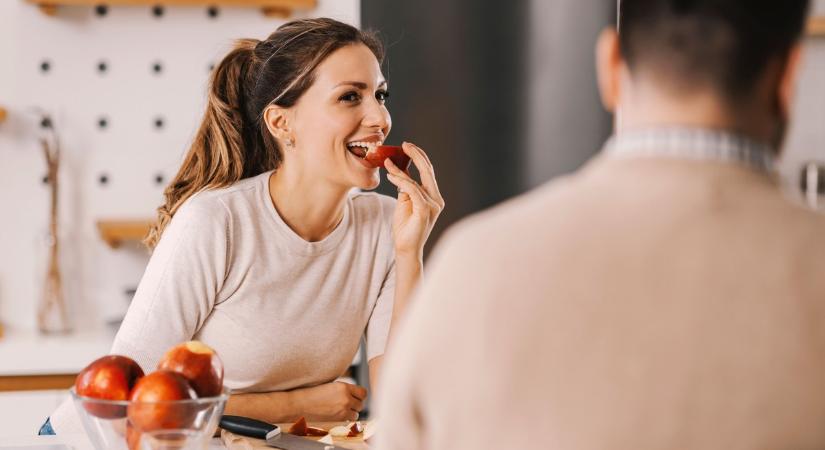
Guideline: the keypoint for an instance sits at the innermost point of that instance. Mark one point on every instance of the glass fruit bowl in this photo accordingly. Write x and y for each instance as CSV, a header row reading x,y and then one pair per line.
x,y
140,425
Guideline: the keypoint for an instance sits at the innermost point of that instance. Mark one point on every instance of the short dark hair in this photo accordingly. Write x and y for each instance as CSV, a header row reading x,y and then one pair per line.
x,y
726,44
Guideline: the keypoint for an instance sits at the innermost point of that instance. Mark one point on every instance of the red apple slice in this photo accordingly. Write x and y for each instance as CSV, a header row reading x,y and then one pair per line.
x,y
355,429
313,431
299,428
393,152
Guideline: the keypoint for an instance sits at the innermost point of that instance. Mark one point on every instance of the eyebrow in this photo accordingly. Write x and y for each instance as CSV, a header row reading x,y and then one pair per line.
x,y
358,84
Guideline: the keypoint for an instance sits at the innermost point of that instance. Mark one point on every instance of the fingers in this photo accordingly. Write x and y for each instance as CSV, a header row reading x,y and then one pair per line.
x,y
413,190
357,391
425,168
356,404
393,170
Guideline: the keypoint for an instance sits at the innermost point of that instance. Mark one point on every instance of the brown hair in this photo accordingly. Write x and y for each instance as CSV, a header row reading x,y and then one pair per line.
x,y
233,141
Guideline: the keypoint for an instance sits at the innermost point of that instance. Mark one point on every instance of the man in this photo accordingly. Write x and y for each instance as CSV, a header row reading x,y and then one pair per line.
x,y
666,296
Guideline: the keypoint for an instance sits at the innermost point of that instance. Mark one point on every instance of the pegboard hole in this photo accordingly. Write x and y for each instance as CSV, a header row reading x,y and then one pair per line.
x,y
157,11
102,67
157,67
46,122
213,12
103,179
159,123
101,10
102,123
159,179
45,66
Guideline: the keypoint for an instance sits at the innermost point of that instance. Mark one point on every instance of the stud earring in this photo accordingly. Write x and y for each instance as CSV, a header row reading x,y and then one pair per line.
x,y
290,142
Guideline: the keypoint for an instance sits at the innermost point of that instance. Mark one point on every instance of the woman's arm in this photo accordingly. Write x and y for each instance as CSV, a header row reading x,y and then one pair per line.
x,y
408,270
418,207
180,285
328,402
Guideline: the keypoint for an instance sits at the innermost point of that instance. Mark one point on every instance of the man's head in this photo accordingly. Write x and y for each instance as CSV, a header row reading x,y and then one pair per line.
x,y
740,55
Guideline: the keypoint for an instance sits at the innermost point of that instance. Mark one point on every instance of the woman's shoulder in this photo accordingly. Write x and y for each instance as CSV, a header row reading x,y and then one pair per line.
x,y
225,199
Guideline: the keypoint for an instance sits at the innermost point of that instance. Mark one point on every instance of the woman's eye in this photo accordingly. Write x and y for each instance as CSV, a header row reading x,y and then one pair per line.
x,y
382,96
350,97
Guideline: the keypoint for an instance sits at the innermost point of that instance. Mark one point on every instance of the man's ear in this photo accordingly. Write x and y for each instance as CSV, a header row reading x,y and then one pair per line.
x,y
277,121
788,80
608,67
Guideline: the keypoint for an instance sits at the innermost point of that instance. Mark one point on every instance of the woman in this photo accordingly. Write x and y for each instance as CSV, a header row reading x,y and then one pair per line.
x,y
263,249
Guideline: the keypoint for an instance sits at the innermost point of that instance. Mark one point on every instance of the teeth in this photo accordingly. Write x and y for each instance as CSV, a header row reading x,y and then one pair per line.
x,y
368,145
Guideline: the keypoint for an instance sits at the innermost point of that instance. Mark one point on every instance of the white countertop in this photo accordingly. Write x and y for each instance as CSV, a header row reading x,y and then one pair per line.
x,y
72,441
25,352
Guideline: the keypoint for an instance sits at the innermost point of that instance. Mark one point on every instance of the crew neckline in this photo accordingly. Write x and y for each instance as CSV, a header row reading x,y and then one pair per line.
x,y
295,243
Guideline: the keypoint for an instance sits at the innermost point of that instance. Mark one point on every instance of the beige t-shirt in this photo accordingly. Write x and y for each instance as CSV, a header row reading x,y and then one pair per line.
x,y
281,312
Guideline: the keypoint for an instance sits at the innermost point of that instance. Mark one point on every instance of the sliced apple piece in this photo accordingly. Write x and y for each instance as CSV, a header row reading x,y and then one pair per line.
x,y
395,153
299,428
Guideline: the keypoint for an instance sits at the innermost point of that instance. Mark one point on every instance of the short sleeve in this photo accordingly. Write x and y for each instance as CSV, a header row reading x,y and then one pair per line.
x,y
180,285
175,296
378,328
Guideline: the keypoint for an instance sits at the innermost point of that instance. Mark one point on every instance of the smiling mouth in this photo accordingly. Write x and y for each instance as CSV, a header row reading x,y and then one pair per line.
x,y
360,148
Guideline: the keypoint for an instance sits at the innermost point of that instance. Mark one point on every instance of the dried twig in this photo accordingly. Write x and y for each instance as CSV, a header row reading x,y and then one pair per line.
x,y
51,315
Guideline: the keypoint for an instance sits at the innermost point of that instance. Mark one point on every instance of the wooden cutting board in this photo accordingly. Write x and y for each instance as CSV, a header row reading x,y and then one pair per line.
x,y
236,442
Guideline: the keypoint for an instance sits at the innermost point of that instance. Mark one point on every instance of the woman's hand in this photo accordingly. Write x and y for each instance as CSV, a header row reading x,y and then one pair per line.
x,y
330,402
418,204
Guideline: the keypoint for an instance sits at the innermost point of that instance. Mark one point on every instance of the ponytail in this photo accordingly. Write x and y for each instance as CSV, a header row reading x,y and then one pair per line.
x,y
217,156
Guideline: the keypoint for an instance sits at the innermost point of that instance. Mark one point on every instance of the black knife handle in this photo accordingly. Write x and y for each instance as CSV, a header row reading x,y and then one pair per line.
x,y
245,426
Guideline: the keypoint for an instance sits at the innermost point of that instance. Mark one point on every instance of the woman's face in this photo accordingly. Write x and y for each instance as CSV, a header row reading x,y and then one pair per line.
x,y
344,105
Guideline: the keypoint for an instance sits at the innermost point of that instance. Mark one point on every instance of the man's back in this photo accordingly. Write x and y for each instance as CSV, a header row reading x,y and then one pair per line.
x,y
642,303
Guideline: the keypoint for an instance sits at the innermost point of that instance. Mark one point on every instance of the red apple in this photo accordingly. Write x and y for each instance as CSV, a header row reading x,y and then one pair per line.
x,y
393,152
152,405
111,377
199,364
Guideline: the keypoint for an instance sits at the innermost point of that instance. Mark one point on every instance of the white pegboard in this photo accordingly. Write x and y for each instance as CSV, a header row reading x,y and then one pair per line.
x,y
130,151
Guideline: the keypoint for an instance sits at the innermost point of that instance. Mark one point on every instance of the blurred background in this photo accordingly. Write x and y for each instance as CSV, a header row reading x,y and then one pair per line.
x,y
502,96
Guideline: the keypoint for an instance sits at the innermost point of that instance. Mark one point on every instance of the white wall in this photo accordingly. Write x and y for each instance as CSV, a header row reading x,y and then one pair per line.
x,y
129,151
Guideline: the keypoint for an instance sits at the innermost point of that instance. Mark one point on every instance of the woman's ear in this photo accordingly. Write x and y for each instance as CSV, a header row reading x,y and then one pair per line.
x,y
608,67
277,121
788,80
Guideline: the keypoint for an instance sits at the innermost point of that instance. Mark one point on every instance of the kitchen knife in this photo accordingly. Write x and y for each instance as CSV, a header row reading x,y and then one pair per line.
x,y
245,426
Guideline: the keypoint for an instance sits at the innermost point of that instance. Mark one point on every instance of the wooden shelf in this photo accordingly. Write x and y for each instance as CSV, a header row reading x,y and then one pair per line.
x,y
271,8
116,232
816,26
3,114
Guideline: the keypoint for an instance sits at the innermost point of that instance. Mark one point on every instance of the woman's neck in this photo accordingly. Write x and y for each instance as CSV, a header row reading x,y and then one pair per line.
x,y
310,208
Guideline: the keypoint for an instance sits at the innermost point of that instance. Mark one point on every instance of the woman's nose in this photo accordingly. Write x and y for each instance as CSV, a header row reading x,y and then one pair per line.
x,y
377,116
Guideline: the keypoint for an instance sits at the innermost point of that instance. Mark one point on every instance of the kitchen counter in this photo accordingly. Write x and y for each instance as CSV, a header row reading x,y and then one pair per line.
x,y
67,442
233,442
29,360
